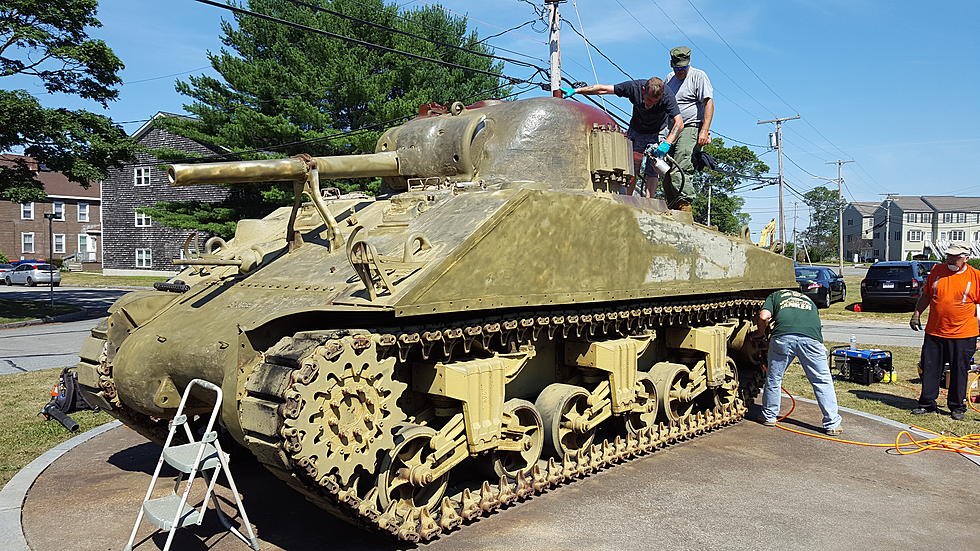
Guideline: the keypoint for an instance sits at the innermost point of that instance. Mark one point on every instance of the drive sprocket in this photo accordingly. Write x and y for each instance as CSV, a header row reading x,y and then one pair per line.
x,y
348,408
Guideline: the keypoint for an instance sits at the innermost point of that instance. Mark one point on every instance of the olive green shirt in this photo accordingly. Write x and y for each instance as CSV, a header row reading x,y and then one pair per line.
x,y
793,313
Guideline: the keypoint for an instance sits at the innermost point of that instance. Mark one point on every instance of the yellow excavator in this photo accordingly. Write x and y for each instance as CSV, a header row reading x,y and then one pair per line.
x,y
767,235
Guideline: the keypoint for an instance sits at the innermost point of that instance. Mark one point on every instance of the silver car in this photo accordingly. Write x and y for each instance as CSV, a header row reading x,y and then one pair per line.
x,y
32,274
4,268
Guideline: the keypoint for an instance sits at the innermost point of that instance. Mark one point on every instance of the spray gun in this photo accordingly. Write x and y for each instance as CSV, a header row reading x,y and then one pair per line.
x,y
660,164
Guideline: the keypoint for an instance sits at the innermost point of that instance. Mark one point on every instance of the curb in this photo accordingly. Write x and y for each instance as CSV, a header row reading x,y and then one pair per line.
x,y
124,287
12,495
72,316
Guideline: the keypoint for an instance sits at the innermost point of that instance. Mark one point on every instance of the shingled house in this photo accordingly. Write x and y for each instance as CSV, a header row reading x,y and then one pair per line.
x,y
75,230
133,243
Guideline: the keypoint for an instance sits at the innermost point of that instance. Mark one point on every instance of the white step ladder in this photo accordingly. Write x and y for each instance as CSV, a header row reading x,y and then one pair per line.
x,y
172,511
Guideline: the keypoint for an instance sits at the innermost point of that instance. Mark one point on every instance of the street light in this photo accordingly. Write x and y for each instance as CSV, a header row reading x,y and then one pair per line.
x,y
50,216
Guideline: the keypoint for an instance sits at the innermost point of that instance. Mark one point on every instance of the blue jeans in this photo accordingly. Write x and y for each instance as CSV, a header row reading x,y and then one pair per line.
x,y
813,356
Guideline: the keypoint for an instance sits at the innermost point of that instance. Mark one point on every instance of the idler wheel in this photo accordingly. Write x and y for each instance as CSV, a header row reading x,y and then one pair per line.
x,y
522,424
405,478
727,393
644,415
565,411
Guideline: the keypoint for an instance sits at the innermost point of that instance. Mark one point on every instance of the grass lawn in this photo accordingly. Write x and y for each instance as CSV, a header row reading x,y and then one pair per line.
x,y
24,434
20,310
889,400
845,310
96,278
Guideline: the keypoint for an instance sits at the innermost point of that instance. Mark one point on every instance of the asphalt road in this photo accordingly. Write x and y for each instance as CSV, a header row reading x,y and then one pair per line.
x,y
871,333
53,344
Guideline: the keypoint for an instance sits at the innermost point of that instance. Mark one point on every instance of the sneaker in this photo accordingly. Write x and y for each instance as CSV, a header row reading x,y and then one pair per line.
x,y
766,422
957,415
922,411
834,431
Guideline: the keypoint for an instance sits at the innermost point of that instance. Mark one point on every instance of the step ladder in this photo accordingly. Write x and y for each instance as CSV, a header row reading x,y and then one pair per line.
x,y
172,511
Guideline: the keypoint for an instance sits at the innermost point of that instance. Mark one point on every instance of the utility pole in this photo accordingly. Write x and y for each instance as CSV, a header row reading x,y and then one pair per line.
x,y
554,46
795,245
779,153
50,216
888,220
709,204
840,215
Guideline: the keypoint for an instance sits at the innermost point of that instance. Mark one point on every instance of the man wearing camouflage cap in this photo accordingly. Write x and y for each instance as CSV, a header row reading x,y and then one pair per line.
x,y
951,292
692,90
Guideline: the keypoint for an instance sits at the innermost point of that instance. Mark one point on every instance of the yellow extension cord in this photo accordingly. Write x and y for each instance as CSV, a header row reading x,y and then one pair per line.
x,y
967,445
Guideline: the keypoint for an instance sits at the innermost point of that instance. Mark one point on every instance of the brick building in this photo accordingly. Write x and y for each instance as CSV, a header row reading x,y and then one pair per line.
x,y
75,231
134,244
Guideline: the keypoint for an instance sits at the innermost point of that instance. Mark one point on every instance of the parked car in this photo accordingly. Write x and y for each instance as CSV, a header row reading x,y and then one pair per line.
x,y
32,274
929,264
823,285
4,268
894,283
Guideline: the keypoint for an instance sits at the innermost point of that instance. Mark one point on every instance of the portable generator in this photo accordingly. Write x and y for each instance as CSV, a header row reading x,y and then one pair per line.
x,y
864,366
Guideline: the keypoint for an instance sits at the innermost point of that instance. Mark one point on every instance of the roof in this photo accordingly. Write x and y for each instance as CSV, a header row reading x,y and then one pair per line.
x,y
56,183
865,209
908,202
148,125
949,203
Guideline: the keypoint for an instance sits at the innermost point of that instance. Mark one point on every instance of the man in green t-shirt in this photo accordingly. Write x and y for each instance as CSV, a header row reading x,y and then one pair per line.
x,y
796,334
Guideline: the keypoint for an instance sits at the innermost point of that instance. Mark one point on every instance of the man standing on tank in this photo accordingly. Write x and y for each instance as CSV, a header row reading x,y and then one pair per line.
x,y
654,112
796,333
952,293
692,90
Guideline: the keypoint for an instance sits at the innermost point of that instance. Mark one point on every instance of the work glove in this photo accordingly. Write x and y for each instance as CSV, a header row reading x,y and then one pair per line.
x,y
914,323
662,149
568,92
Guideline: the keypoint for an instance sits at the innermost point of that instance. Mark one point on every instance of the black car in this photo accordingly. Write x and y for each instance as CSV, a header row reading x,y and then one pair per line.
x,y
894,283
822,285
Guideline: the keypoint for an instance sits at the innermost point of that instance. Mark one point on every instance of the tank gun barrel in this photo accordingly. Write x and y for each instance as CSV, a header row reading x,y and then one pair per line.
x,y
280,170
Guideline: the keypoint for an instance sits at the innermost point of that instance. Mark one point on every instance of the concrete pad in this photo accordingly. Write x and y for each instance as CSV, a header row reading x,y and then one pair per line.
x,y
744,487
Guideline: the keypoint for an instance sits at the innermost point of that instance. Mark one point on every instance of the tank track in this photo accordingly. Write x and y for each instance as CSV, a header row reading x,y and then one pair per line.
x,y
280,449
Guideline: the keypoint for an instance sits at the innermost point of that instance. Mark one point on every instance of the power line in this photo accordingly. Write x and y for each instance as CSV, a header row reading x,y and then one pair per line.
x,y
598,51
166,76
359,42
731,139
406,33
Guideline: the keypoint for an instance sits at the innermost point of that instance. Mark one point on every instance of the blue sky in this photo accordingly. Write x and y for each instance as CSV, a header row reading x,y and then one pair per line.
x,y
891,85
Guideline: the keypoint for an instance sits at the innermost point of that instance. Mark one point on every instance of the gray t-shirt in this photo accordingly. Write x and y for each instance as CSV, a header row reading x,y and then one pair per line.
x,y
690,94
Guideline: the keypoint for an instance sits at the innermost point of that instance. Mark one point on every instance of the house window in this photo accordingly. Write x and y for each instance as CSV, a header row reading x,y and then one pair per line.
x,y
876,252
141,176
928,236
59,211
83,212
926,217
877,235
915,235
849,238
59,243
27,211
942,235
960,217
27,242
957,235
976,236
143,220
850,222
947,217
144,258
912,217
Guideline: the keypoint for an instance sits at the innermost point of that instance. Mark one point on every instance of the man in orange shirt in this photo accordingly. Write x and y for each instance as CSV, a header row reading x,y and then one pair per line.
x,y
952,291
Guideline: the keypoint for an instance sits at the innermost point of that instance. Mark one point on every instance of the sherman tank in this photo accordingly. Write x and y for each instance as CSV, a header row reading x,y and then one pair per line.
x,y
501,322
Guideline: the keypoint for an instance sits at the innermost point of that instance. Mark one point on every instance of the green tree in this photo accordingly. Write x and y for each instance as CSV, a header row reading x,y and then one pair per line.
x,y
821,234
49,41
281,85
726,206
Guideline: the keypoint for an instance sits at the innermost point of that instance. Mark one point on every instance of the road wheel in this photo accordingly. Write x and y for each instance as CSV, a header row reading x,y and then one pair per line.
x,y
843,294
58,284
7,280
30,282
